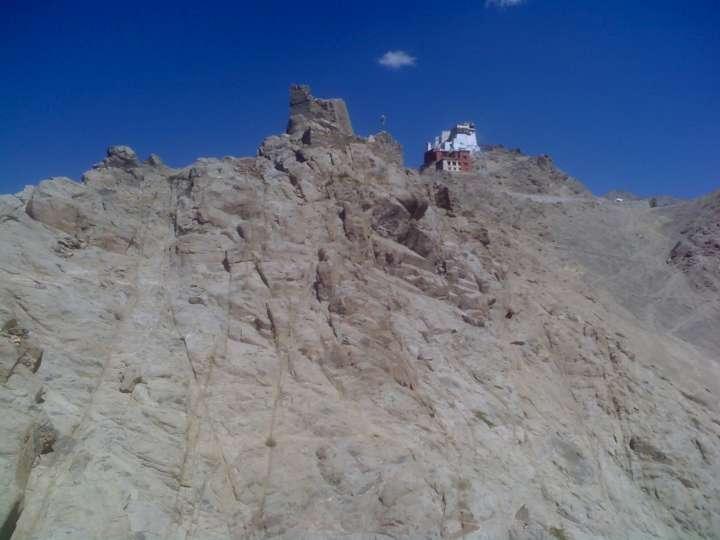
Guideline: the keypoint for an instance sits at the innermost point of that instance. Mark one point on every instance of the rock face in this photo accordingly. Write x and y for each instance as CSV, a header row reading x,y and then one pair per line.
x,y
698,251
512,171
317,121
384,145
319,343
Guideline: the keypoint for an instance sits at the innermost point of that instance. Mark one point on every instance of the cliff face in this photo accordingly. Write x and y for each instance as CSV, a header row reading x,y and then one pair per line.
x,y
697,252
319,343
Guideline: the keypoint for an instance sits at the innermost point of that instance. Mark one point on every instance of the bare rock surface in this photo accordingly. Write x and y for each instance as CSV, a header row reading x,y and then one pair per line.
x,y
511,170
697,252
319,343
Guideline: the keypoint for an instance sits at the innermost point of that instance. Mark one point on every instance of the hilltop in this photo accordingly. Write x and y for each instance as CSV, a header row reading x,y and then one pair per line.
x,y
318,342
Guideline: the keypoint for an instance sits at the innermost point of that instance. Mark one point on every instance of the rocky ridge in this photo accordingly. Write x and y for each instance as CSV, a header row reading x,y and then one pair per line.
x,y
317,342
698,251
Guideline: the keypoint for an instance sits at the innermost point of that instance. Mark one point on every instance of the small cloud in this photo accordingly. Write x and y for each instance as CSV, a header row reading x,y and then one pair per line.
x,y
503,3
396,60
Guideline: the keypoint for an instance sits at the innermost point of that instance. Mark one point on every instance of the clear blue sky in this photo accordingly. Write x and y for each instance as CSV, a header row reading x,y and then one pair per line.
x,y
622,94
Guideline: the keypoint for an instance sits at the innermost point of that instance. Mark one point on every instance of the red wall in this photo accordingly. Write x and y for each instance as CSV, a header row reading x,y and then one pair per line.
x,y
463,156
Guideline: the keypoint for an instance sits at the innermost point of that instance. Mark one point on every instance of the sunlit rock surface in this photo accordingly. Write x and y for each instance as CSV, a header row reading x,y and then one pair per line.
x,y
320,343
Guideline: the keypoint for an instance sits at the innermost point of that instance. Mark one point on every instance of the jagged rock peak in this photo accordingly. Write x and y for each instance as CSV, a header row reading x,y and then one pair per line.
x,y
310,115
155,160
121,156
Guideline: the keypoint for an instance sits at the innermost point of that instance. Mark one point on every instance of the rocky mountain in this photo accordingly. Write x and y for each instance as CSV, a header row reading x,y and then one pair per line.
x,y
317,342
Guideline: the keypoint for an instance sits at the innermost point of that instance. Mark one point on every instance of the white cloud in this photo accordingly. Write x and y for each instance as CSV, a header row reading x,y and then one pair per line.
x,y
396,60
503,3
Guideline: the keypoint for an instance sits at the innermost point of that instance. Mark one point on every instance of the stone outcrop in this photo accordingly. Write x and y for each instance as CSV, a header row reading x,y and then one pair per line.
x,y
697,252
511,170
317,121
384,145
316,342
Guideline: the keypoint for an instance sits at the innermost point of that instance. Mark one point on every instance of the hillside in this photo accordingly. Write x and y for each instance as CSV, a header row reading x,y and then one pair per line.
x,y
317,342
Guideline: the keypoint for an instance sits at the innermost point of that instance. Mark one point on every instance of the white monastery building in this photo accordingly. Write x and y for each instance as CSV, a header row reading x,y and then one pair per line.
x,y
452,150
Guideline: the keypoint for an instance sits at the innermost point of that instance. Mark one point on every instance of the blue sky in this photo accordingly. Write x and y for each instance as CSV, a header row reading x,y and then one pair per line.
x,y
622,94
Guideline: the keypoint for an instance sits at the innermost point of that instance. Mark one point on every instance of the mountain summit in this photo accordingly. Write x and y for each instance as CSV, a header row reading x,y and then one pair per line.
x,y
317,342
